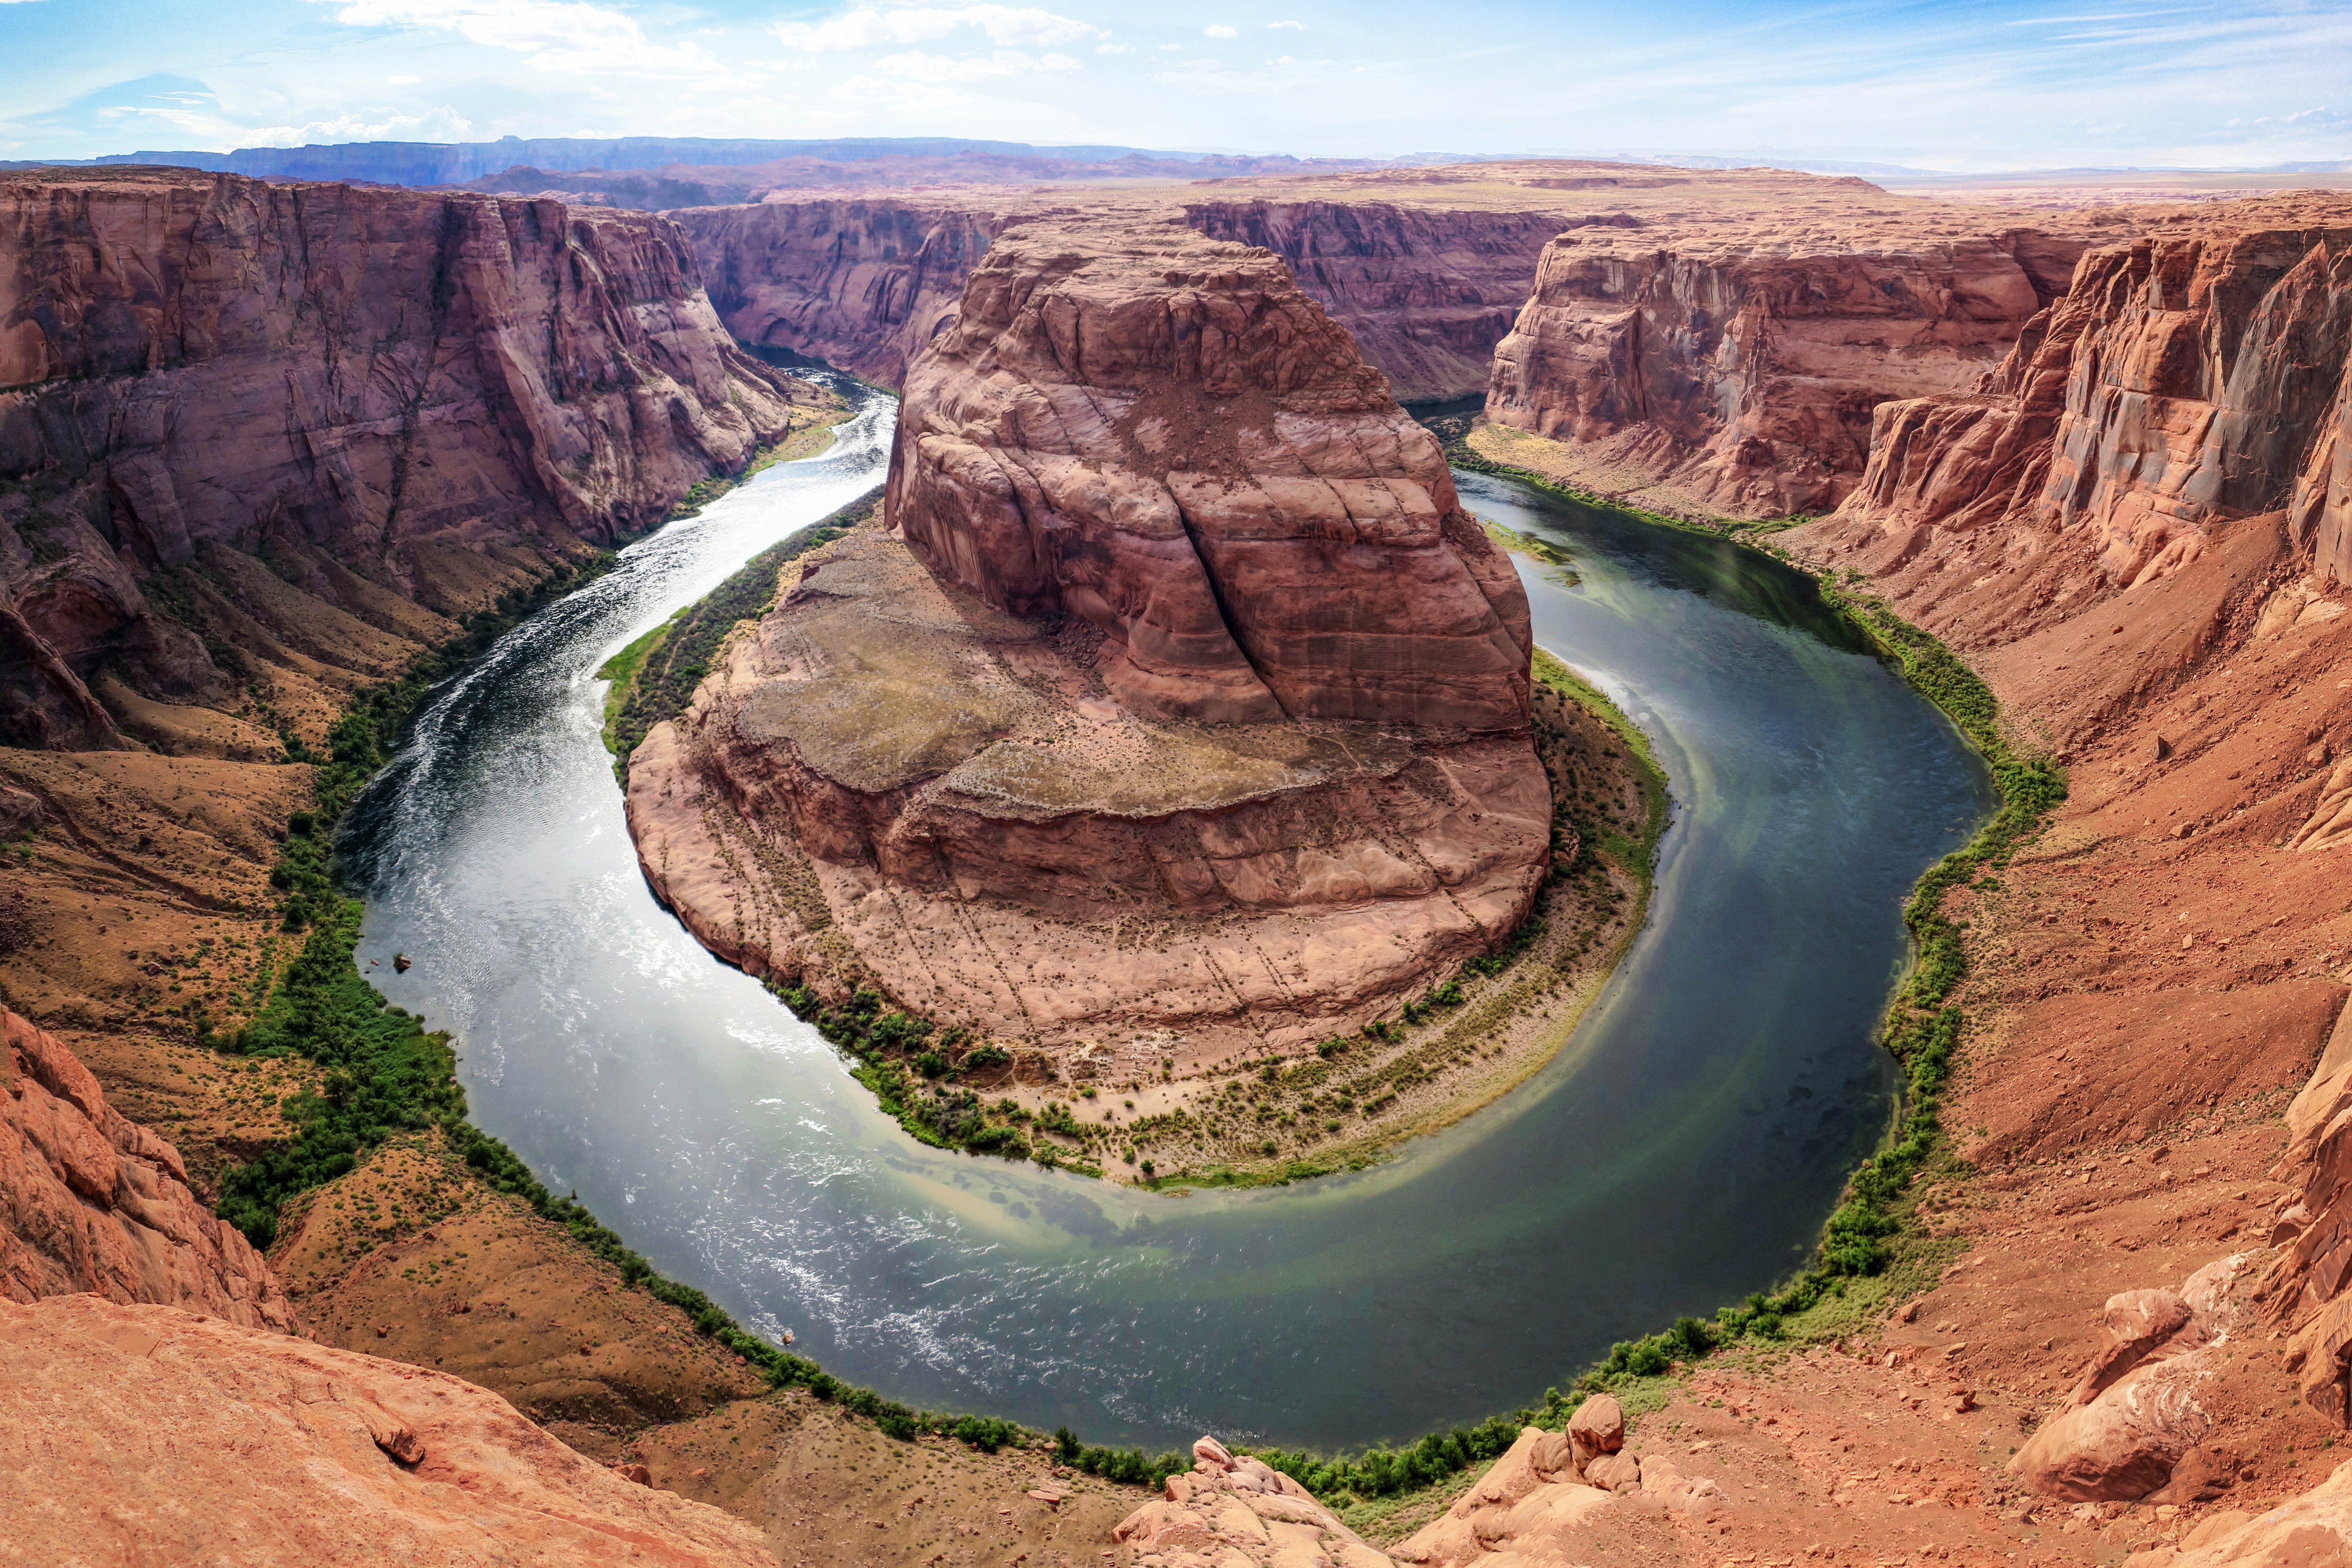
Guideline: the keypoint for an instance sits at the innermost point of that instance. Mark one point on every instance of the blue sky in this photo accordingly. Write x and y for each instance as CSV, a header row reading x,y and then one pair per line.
x,y
1959,86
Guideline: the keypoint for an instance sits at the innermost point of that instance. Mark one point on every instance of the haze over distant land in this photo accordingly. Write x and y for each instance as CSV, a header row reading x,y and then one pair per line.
x,y
1868,89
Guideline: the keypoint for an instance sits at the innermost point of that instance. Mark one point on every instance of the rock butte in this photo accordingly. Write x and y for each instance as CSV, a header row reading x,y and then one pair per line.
x,y
1178,630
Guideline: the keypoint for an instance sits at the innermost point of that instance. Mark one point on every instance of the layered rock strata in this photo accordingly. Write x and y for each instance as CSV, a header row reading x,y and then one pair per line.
x,y
1755,284
90,1201
2194,377
1741,371
366,396
148,1435
1181,694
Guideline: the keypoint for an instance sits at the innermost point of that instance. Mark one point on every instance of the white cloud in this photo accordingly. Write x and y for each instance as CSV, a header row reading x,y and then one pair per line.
x,y
555,35
402,81
1219,30
1293,26
866,28
917,66
1112,48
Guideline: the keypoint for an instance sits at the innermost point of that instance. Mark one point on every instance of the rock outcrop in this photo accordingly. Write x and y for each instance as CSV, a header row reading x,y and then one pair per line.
x,y
2135,1414
388,394
148,1435
2196,376
1180,695
1236,1512
1743,369
92,1202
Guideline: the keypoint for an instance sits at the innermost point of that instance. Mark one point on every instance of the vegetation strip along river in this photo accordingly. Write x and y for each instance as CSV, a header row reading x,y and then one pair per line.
x,y
1683,1150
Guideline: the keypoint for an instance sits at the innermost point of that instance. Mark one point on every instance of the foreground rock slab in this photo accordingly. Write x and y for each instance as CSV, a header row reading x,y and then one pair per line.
x,y
148,1435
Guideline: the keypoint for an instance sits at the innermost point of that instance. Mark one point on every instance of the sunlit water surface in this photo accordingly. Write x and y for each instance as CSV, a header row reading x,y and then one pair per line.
x,y
1680,1153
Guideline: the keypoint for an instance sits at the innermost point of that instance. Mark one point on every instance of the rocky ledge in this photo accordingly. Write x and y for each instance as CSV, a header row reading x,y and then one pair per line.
x,y
90,1201
1179,709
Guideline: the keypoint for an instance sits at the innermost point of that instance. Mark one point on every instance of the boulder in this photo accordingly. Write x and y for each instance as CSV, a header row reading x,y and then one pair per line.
x,y
1613,1472
1242,1514
1598,1427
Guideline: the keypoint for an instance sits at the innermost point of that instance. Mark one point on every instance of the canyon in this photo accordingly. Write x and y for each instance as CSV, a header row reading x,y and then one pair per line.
x,y
317,424
2103,454
1430,270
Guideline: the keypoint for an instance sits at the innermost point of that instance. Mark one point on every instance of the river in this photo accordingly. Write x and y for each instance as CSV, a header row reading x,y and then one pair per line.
x,y
1681,1152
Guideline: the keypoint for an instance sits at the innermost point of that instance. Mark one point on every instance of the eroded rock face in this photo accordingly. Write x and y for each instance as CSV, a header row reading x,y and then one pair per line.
x,y
1180,629
1165,440
2196,376
92,1202
1744,369
148,1435
1426,291
386,385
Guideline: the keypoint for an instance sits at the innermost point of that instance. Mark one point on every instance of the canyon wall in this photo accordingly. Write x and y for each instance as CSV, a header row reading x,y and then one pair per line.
x,y
2196,376
394,395
1179,628
861,284
864,284
1741,369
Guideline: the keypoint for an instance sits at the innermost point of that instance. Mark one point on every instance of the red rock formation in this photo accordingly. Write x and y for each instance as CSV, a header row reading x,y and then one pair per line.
x,y
1248,1515
362,381
859,283
865,284
1181,630
2196,376
1167,440
92,1202
1426,293
1426,267
146,1434
1743,369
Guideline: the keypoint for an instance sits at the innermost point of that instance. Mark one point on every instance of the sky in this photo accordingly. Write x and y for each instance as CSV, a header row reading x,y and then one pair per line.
x,y
1957,87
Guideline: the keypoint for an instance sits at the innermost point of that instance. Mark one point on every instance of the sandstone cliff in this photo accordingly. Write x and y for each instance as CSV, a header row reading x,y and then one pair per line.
x,y
859,283
146,1434
865,284
2196,376
92,1202
223,389
1182,695
1740,368
1427,269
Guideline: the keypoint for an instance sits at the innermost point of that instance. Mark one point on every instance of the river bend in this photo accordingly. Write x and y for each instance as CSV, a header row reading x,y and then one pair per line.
x,y
1682,1151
